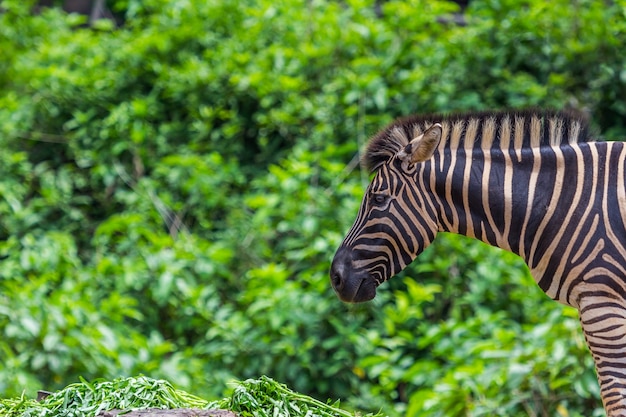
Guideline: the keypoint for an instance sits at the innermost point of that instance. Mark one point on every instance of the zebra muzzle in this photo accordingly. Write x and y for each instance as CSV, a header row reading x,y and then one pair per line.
x,y
351,286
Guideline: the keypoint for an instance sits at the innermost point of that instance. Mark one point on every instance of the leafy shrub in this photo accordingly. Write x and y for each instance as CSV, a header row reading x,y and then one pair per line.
x,y
173,190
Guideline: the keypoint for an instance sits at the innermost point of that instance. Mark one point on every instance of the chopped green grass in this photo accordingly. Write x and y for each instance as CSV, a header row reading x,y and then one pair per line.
x,y
262,397
84,399
265,397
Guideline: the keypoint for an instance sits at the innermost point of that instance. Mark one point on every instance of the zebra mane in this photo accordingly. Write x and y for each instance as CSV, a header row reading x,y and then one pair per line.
x,y
514,130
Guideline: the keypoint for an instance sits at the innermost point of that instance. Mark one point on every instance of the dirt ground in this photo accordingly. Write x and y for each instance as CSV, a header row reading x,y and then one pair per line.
x,y
179,412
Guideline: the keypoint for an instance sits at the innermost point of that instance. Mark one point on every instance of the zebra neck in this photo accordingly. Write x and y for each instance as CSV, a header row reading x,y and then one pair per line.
x,y
479,192
508,199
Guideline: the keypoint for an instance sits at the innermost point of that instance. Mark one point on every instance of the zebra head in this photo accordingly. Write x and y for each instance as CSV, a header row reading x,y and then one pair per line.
x,y
393,225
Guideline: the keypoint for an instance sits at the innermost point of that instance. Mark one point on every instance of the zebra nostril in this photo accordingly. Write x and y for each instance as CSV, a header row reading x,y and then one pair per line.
x,y
340,271
336,279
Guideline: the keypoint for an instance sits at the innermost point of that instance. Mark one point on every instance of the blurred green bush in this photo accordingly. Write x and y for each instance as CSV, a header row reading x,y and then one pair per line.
x,y
172,191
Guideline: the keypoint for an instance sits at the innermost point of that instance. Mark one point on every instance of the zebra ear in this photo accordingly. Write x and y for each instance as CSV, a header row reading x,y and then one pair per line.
x,y
422,147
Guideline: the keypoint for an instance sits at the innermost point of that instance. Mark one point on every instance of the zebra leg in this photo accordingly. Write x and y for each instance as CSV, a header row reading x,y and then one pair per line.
x,y
603,321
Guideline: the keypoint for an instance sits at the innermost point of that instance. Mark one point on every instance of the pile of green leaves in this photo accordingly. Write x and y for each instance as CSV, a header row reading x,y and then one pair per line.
x,y
261,397
84,399
265,397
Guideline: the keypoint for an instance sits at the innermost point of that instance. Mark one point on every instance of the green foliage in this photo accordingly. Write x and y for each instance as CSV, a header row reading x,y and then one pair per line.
x,y
86,398
261,397
173,189
265,397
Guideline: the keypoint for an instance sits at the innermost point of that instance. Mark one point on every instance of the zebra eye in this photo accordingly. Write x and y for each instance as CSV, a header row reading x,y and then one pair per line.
x,y
379,199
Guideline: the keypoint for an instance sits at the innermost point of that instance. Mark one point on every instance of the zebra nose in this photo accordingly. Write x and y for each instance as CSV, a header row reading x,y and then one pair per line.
x,y
350,287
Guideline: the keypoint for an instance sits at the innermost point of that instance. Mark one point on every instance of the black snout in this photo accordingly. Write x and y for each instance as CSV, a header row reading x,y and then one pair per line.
x,y
351,286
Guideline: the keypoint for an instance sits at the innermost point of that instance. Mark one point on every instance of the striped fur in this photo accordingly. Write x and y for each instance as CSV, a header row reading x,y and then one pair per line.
x,y
532,183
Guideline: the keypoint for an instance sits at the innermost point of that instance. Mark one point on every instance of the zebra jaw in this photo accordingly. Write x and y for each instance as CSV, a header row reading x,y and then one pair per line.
x,y
422,147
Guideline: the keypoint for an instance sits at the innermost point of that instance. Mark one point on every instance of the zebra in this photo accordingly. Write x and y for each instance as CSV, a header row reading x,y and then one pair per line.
x,y
531,182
